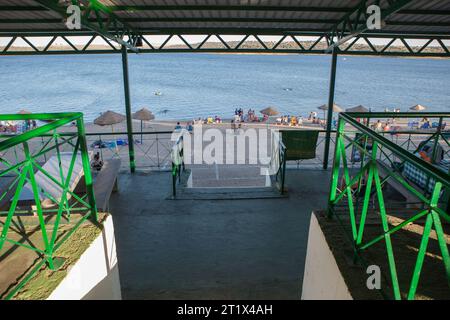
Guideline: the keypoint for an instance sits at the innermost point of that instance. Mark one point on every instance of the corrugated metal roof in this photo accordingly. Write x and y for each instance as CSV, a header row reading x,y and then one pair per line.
x,y
233,16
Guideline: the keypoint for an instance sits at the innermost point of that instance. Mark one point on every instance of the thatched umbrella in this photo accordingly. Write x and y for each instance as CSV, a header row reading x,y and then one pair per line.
x,y
144,115
110,118
359,108
324,107
417,107
270,111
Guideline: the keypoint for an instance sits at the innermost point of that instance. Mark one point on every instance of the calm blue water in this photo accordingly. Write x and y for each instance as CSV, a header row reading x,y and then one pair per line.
x,y
194,85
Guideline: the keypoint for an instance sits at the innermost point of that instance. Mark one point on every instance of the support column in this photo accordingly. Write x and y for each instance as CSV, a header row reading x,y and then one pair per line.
x,y
126,86
330,107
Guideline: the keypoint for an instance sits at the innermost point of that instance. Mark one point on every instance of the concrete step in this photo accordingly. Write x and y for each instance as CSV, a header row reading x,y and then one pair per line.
x,y
227,194
227,176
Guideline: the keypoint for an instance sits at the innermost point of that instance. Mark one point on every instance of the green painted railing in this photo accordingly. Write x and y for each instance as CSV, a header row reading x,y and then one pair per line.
x,y
21,172
354,192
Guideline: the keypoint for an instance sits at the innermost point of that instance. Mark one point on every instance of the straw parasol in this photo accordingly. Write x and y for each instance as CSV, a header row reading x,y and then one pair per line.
x,y
324,107
336,108
417,107
143,115
270,111
110,118
359,108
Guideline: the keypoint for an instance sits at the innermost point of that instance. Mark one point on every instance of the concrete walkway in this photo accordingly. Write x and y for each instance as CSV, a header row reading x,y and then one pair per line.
x,y
202,249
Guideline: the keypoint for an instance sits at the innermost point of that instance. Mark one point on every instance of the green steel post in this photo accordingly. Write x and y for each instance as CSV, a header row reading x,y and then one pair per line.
x,y
336,165
387,236
367,195
420,257
87,168
174,180
436,140
13,206
126,86
283,176
439,231
330,107
351,207
434,152
39,211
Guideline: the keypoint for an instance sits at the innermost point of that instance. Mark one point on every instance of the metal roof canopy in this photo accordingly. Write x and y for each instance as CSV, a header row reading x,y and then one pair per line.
x,y
332,22
126,24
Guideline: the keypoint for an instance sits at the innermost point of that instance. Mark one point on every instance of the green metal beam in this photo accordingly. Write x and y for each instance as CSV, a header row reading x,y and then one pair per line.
x,y
264,45
126,86
278,31
112,28
330,107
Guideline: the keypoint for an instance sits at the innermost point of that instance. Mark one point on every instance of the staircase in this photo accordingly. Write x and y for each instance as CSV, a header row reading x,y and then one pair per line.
x,y
226,182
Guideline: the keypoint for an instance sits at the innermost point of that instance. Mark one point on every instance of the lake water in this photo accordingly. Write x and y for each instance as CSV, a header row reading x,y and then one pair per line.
x,y
200,85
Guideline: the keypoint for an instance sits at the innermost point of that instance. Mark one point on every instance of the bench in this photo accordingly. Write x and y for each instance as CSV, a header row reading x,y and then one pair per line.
x,y
105,183
413,200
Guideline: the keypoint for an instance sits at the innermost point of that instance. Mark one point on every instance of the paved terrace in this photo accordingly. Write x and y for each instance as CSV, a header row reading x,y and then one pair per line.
x,y
204,249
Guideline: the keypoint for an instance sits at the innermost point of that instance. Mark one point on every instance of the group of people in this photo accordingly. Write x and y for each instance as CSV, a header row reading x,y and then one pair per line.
x,y
17,126
388,125
289,120
189,126
381,126
250,116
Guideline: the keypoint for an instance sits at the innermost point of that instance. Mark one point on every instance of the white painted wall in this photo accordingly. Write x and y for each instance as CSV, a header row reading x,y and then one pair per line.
x,y
96,274
322,279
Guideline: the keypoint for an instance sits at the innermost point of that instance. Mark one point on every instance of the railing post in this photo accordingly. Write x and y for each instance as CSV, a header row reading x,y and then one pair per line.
x,y
174,180
126,87
87,168
157,151
336,166
284,172
330,108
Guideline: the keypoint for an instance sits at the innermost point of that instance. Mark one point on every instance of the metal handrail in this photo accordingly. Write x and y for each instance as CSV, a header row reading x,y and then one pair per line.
x,y
354,189
24,173
405,155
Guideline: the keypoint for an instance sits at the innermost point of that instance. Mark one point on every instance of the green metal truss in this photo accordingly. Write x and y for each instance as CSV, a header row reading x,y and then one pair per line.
x,y
348,197
97,18
305,43
23,169
355,22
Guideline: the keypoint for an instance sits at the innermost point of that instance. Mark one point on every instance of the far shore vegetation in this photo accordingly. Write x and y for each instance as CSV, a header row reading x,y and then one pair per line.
x,y
396,47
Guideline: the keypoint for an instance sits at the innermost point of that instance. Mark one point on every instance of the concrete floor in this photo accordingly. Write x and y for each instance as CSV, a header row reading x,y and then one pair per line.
x,y
203,249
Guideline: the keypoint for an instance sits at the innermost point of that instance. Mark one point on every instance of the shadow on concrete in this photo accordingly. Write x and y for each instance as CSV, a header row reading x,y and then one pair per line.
x,y
213,249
